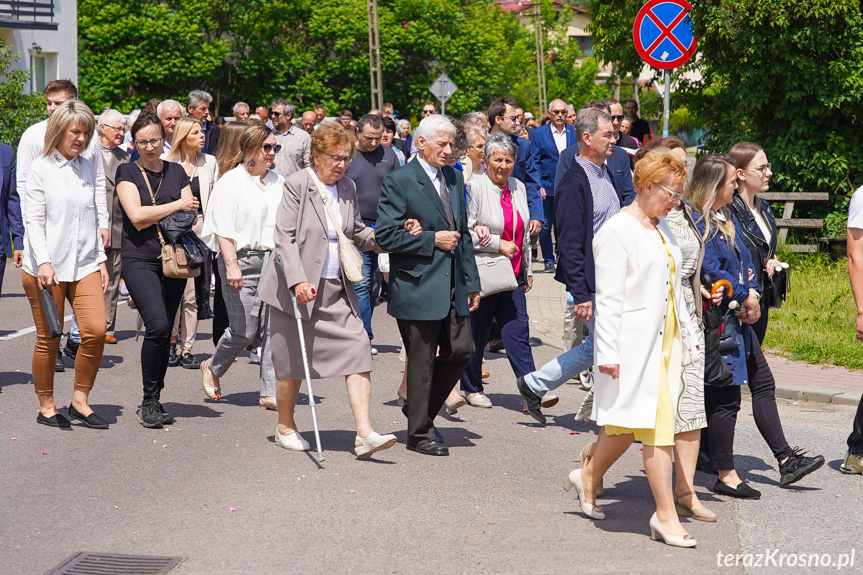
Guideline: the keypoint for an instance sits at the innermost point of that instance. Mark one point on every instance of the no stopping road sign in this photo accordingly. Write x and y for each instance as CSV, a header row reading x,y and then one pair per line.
x,y
663,33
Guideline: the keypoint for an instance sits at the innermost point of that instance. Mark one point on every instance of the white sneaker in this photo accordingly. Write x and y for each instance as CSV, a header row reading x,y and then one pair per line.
x,y
586,379
374,351
292,442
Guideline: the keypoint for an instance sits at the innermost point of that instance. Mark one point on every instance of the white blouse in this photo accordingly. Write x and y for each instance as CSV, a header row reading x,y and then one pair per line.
x,y
61,226
243,209
332,264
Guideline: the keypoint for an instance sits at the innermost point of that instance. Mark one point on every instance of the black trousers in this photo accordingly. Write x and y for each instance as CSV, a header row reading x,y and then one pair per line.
x,y
723,403
157,299
432,375
220,312
855,440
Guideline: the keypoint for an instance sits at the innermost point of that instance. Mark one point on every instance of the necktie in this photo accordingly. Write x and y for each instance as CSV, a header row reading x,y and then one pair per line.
x,y
447,203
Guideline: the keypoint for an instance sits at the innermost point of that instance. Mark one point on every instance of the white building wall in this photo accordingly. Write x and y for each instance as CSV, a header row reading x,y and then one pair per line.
x,y
59,48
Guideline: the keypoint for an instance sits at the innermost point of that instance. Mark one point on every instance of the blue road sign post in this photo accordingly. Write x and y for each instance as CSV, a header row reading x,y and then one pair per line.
x,y
663,37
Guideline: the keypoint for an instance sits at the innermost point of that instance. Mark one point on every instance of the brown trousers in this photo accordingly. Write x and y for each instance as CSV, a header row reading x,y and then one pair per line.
x,y
88,303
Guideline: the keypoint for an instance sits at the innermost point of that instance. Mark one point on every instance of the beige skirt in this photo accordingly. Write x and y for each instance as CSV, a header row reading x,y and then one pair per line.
x,y
336,342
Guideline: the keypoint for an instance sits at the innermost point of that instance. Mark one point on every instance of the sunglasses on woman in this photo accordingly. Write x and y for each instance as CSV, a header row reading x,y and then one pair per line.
x,y
267,148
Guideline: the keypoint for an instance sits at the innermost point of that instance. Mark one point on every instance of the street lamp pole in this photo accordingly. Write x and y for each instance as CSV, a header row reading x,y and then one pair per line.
x,y
540,57
375,56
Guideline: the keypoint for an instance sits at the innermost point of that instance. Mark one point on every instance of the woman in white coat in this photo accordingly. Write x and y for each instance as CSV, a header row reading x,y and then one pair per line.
x,y
639,350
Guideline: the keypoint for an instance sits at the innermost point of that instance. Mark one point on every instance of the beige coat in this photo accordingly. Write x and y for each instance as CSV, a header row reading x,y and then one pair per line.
x,y
301,238
111,160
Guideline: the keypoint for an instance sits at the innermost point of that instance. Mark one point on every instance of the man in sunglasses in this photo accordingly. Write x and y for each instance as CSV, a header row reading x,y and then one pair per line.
x,y
546,144
617,117
371,164
295,143
502,117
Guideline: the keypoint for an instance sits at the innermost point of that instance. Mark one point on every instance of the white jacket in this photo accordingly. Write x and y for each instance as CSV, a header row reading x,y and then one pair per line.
x,y
632,281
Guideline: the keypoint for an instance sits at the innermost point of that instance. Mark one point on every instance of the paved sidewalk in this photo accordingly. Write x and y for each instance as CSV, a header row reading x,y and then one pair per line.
x,y
799,381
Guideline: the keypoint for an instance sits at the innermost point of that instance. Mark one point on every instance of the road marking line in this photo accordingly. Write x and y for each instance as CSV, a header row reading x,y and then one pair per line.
x,y
27,330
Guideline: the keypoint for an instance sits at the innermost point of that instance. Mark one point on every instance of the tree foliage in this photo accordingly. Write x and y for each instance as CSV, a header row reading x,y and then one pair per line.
x,y
316,51
785,75
17,110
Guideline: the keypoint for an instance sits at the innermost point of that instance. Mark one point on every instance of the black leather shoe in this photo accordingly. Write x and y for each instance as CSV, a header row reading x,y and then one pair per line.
x,y
797,466
188,361
429,447
531,400
92,421
71,348
173,358
742,491
56,420
59,366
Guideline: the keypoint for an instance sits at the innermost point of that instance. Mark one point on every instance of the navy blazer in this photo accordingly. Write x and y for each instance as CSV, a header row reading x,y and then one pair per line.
x,y
573,216
525,171
11,223
422,275
618,167
545,154
732,263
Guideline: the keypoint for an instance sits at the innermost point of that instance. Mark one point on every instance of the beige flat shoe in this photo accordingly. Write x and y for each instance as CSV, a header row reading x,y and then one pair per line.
x,y
700,514
477,400
452,406
549,400
210,381
374,442
292,442
268,402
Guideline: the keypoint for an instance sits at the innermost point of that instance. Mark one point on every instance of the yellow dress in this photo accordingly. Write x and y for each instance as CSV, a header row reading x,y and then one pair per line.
x,y
663,434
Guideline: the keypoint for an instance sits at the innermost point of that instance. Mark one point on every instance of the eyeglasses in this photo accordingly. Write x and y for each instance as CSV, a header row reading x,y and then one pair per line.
x,y
144,144
428,112
672,195
557,112
115,128
276,114
512,118
271,147
763,169
339,159
618,118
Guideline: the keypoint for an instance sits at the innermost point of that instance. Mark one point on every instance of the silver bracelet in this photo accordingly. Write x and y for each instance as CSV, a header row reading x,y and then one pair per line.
x,y
231,260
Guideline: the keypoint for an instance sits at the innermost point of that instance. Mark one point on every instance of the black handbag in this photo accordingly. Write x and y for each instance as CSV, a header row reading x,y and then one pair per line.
x,y
776,288
49,312
716,371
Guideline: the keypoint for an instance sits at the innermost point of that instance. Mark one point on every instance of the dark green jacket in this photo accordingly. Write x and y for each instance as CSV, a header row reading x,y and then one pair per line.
x,y
419,287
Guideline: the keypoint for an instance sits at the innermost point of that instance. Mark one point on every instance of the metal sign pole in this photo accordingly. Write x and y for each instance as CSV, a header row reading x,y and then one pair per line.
x,y
443,98
666,114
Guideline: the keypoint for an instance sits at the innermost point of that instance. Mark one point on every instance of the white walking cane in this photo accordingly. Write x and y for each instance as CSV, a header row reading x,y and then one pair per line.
x,y
281,266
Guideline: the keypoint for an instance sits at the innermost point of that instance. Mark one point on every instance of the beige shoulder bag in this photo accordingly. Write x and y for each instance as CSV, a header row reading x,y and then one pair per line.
x,y
349,257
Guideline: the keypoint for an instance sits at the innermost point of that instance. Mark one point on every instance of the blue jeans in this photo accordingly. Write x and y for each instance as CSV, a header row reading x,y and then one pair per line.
x,y
565,366
368,290
74,333
545,234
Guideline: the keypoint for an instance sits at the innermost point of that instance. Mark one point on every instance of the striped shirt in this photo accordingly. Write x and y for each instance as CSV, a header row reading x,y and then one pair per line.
x,y
605,200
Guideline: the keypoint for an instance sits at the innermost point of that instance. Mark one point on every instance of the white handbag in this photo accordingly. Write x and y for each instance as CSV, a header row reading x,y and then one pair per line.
x,y
349,256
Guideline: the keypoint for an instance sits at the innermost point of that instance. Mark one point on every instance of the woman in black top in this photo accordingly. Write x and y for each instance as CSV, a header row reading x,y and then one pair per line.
x,y
755,221
156,297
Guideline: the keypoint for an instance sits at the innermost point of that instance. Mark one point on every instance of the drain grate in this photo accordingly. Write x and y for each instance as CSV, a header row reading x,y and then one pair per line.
x,y
83,563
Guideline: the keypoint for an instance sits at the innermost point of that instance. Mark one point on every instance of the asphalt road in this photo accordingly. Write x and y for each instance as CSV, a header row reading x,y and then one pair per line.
x,y
215,489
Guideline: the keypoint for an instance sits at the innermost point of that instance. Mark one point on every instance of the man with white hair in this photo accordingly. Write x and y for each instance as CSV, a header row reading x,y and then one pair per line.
x,y
198,105
170,112
111,130
435,284
241,111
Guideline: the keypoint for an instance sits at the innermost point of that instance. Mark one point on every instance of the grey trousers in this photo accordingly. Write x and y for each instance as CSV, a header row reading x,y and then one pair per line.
x,y
247,316
112,294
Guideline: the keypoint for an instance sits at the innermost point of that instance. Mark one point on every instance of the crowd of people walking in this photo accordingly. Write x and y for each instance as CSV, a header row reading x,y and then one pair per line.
x,y
298,220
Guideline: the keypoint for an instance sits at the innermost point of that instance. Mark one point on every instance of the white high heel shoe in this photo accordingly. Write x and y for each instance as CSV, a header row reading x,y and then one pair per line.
x,y
292,442
656,531
589,509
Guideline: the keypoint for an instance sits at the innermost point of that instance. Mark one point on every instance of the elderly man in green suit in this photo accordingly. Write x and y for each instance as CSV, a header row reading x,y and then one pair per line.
x,y
434,284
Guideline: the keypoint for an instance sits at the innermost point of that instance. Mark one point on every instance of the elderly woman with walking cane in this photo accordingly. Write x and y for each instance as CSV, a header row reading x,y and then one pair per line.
x,y
316,225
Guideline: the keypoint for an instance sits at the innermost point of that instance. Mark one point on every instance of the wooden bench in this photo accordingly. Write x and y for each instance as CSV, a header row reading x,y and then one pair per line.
x,y
786,222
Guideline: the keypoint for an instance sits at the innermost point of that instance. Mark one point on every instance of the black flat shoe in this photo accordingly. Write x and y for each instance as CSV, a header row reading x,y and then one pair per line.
x,y
71,348
92,421
742,491
59,366
56,420
173,358
532,402
188,361
167,418
429,447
